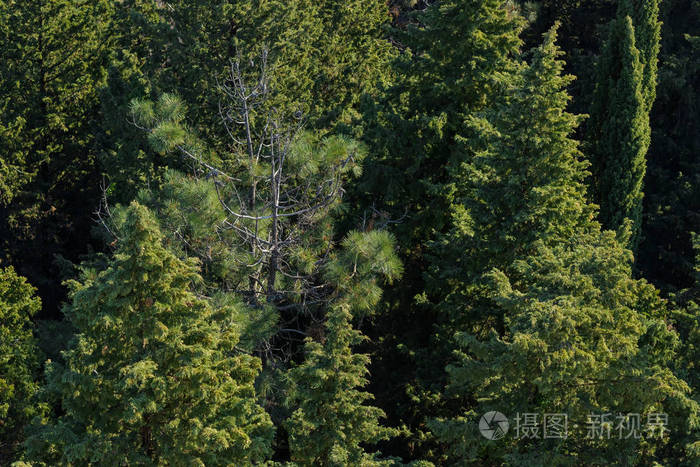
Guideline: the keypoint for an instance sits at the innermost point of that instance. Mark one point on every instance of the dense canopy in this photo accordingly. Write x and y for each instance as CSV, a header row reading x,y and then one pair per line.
x,y
350,233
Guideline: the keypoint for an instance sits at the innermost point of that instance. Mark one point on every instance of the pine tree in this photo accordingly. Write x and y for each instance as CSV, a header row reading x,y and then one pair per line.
x,y
619,132
545,314
260,216
154,375
331,421
322,57
19,361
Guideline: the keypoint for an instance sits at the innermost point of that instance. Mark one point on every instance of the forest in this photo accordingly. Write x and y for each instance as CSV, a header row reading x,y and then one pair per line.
x,y
350,233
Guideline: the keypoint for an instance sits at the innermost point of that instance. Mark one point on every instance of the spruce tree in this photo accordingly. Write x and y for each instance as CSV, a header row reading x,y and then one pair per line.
x,y
19,361
154,375
619,131
331,421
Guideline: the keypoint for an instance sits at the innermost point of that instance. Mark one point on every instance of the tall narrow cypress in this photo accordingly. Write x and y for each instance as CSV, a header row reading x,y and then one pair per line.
x,y
619,131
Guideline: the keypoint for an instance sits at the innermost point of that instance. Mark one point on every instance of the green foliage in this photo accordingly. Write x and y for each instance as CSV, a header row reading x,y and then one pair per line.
x,y
580,337
457,57
647,34
153,375
351,58
331,420
19,360
619,131
221,119
321,61
53,63
522,176
455,64
544,312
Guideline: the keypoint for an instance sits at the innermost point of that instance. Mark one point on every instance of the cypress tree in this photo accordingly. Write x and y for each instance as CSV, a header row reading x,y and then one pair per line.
x,y
647,35
53,63
19,361
619,132
154,375
455,59
545,314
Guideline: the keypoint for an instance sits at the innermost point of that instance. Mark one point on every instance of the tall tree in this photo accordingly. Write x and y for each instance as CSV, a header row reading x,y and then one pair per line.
x,y
647,35
455,59
53,63
619,131
154,374
545,315
19,361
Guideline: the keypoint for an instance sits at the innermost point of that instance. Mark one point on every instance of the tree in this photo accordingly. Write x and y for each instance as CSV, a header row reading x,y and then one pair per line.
x,y
19,360
154,374
322,57
619,132
53,63
545,314
455,59
452,66
521,176
581,338
331,420
522,186
260,215
647,35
